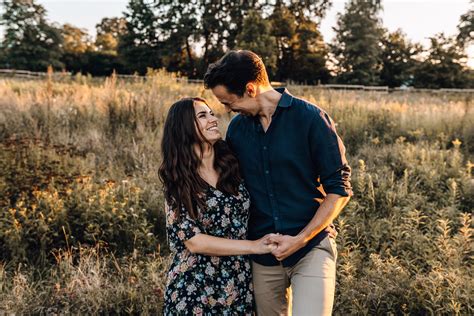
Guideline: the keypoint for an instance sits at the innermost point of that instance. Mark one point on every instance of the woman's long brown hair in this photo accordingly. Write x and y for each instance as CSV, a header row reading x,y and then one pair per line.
x,y
183,186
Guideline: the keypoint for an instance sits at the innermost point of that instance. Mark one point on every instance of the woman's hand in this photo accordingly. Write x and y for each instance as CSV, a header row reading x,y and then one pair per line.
x,y
264,245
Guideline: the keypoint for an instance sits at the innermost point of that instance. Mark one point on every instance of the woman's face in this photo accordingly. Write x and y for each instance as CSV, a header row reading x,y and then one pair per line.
x,y
207,123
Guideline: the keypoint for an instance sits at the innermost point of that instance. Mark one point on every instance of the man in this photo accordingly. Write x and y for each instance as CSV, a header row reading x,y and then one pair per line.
x,y
295,169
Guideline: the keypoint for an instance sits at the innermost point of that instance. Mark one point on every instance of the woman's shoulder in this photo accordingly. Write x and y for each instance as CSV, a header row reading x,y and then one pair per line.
x,y
243,188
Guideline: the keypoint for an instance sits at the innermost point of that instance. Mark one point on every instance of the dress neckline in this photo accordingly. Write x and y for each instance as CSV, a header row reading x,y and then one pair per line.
x,y
212,187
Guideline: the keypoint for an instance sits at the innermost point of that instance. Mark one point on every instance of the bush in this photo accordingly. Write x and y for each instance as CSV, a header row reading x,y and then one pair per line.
x,y
48,204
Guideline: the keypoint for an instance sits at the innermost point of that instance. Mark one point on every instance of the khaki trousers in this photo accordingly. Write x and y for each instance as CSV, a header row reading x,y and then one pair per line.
x,y
307,288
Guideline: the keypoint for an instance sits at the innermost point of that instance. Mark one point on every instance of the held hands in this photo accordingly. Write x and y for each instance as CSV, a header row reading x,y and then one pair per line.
x,y
285,245
264,245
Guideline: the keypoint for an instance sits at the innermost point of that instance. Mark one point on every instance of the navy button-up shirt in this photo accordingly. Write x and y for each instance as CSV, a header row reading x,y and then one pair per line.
x,y
288,169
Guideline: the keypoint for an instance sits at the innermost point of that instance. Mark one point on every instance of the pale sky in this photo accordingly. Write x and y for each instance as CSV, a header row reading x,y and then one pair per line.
x,y
419,19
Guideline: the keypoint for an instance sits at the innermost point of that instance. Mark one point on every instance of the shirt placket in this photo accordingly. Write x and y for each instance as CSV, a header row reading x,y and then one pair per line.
x,y
267,174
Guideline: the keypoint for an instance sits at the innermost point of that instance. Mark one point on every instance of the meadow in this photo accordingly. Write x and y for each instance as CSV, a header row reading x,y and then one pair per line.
x,y
82,227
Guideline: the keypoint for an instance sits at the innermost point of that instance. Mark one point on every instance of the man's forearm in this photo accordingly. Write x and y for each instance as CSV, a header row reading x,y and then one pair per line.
x,y
327,212
329,209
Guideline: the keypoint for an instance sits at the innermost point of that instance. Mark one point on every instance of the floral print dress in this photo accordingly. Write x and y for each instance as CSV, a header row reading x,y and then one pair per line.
x,y
203,285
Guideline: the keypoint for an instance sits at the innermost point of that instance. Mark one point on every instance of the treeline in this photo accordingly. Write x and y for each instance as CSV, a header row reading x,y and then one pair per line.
x,y
185,36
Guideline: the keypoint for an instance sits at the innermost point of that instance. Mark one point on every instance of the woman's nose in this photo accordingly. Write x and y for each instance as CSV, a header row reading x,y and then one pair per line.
x,y
213,119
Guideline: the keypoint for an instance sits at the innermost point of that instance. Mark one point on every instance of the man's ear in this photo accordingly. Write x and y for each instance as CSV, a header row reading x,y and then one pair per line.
x,y
251,89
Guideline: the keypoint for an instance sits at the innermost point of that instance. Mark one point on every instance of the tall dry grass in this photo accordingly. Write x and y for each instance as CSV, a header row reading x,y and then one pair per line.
x,y
81,219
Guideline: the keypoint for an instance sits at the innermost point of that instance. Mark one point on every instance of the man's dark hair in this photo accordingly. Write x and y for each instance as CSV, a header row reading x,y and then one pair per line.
x,y
234,70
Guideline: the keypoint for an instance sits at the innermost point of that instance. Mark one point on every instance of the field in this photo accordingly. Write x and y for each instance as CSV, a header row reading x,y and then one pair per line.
x,y
81,207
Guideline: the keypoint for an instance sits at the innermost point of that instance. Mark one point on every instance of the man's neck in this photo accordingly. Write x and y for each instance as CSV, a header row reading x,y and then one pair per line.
x,y
267,99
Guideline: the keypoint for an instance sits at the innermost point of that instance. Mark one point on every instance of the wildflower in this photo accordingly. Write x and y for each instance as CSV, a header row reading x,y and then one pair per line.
x,y
469,166
457,143
17,224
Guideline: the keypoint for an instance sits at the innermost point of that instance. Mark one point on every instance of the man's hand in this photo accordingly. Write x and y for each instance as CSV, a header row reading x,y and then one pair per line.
x,y
331,229
287,245
263,245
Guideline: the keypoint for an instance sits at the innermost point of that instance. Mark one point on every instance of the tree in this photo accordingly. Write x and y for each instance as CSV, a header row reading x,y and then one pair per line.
x,y
180,28
109,31
76,44
215,26
398,59
139,46
211,24
313,10
357,43
283,29
466,28
220,24
302,53
102,63
444,67
256,36
236,11
309,55
75,40
300,46
29,41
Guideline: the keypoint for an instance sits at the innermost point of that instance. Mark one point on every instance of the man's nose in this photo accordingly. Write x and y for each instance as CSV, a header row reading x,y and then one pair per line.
x,y
227,108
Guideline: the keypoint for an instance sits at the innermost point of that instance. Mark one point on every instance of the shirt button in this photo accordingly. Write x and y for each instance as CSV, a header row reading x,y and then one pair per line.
x,y
264,147
271,194
276,218
267,172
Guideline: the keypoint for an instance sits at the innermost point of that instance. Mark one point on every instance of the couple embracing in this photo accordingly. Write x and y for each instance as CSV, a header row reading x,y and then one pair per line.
x,y
250,218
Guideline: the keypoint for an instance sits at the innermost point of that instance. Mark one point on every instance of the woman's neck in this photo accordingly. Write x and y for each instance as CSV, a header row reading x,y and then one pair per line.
x,y
207,154
206,169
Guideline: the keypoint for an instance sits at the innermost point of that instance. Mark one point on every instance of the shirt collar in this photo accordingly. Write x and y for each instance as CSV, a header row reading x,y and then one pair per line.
x,y
286,98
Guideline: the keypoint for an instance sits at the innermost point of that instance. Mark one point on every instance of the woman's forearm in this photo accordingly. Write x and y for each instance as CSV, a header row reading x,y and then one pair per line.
x,y
216,246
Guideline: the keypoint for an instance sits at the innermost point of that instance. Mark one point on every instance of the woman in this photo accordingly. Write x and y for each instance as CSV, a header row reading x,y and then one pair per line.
x,y
207,211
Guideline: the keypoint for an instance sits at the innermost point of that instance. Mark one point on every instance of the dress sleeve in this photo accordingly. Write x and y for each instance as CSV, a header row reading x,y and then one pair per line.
x,y
180,227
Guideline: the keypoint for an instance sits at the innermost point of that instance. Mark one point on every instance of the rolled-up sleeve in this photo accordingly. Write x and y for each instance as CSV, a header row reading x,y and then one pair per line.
x,y
328,154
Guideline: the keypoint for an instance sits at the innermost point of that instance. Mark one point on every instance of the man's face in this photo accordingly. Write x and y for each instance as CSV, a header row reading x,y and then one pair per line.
x,y
244,105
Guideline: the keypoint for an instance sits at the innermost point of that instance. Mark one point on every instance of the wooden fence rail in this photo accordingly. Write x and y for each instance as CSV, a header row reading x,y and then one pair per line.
x,y
25,74
13,73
